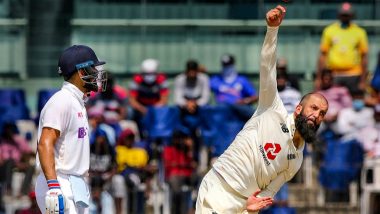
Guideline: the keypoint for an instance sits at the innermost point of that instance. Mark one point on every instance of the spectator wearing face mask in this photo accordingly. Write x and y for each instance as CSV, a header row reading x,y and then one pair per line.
x,y
148,88
233,89
353,119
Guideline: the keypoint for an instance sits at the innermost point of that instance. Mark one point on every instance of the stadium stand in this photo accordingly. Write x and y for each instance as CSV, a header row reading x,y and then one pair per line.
x,y
124,32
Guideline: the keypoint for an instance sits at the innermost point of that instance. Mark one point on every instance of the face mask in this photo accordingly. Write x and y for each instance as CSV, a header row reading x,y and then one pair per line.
x,y
358,105
149,78
229,73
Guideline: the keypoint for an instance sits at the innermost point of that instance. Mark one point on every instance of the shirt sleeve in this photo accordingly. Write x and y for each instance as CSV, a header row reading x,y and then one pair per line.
x,y
274,185
205,91
178,91
325,41
268,95
56,114
248,89
363,42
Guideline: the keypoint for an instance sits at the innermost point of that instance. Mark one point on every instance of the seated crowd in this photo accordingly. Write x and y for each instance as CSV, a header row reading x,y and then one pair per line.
x,y
142,145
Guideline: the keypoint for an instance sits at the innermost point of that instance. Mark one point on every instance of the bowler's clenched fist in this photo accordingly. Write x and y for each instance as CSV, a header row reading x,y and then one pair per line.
x,y
275,16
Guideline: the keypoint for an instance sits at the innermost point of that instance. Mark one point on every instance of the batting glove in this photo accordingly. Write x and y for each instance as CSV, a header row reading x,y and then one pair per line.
x,y
54,200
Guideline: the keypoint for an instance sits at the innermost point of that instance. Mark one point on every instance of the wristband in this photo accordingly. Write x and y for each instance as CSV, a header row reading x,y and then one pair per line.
x,y
53,184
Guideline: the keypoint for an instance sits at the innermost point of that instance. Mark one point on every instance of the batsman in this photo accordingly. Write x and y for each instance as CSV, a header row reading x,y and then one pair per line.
x,y
268,151
63,150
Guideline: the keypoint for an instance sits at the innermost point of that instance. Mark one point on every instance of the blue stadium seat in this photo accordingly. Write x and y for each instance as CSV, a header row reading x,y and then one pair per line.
x,y
12,97
43,96
219,127
159,122
13,105
342,164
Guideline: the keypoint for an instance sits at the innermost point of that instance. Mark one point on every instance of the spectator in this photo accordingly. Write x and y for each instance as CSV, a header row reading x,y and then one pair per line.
x,y
338,97
132,161
282,67
290,96
103,165
112,99
353,119
96,121
191,89
343,50
233,89
15,153
369,136
179,167
148,88
33,208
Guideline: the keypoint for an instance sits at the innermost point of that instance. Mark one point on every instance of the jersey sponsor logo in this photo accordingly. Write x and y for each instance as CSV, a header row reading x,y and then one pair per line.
x,y
80,114
261,148
272,149
81,132
284,128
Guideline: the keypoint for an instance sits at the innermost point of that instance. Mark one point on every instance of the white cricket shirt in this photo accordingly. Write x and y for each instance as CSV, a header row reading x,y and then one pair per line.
x,y
65,111
263,155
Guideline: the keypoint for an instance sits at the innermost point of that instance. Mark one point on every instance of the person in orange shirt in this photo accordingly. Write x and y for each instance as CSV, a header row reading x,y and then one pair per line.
x,y
343,49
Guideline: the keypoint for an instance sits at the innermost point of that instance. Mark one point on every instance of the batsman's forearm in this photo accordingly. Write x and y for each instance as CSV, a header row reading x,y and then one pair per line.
x,y
46,156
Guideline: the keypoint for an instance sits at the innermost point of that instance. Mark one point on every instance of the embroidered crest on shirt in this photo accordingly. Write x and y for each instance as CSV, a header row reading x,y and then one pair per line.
x,y
272,149
284,128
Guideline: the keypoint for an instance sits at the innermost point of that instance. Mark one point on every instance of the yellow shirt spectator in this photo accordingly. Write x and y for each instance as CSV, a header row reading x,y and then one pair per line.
x,y
344,47
130,157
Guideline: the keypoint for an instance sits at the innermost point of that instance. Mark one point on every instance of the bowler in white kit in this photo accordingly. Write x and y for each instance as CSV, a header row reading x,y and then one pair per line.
x,y
63,150
268,151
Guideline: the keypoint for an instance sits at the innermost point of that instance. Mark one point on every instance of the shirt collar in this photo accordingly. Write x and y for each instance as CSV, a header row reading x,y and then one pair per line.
x,y
78,94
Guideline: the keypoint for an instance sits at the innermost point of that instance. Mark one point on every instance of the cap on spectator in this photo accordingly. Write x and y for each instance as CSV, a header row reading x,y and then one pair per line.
x,y
124,134
75,55
227,59
149,66
346,9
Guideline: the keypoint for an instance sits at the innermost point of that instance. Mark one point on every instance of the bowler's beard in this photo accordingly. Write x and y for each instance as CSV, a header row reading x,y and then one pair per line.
x,y
308,131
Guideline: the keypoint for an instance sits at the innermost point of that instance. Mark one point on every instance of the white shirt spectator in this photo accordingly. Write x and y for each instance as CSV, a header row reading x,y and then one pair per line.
x,y
290,97
350,121
200,91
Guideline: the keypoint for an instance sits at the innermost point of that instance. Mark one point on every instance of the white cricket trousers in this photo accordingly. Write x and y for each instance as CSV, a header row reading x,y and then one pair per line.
x,y
215,196
41,189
